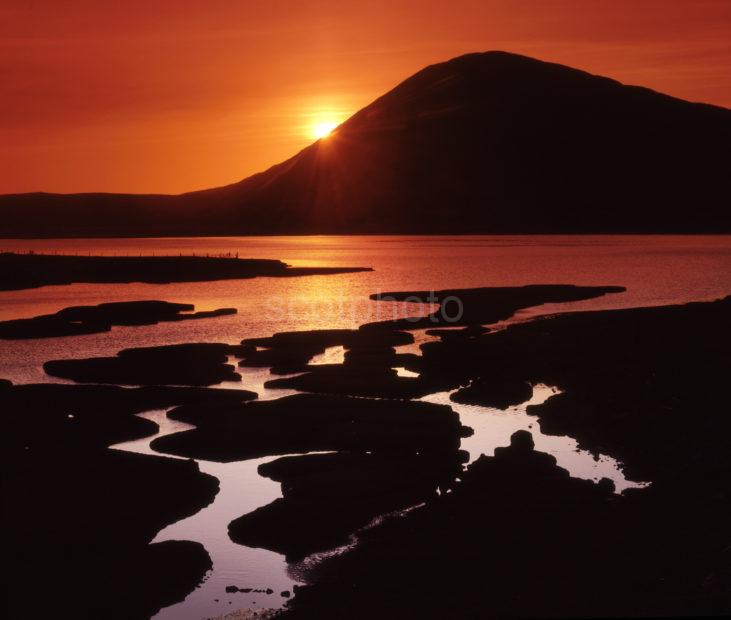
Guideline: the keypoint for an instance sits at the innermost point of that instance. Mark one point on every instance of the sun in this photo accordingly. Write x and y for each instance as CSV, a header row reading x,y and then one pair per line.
x,y
323,129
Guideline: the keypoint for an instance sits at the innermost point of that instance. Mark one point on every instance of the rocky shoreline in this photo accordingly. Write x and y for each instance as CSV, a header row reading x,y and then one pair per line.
x,y
511,535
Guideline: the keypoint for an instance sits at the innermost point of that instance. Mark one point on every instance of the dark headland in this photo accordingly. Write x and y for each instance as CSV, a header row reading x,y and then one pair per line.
x,y
20,271
484,143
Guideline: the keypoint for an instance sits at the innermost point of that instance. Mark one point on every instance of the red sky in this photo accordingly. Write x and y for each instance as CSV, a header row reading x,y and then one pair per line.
x,y
174,95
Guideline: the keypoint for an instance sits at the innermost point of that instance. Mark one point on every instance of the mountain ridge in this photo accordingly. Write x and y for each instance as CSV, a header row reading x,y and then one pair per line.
x,y
488,142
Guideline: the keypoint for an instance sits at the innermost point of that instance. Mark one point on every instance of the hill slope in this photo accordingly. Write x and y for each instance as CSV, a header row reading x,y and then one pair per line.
x,y
484,143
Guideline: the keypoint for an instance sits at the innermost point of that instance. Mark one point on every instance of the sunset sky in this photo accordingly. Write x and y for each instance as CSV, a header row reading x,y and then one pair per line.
x,y
174,95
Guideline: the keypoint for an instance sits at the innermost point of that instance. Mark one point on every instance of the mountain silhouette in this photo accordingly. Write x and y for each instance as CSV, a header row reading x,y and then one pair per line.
x,y
485,143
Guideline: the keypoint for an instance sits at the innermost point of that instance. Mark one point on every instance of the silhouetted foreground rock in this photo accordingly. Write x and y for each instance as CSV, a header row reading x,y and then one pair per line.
x,y
87,518
474,551
518,537
471,331
632,379
39,417
307,422
21,271
179,364
367,369
288,352
79,320
496,391
327,497
346,379
370,358
478,306
79,516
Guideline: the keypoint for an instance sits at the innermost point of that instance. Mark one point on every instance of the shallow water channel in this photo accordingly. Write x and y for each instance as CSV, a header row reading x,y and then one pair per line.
x,y
243,490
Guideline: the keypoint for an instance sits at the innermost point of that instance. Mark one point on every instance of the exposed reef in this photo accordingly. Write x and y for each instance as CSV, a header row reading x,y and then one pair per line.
x,y
180,364
517,536
367,369
479,306
631,379
84,515
37,417
308,422
288,352
79,320
498,391
512,536
370,360
21,271
327,497
473,552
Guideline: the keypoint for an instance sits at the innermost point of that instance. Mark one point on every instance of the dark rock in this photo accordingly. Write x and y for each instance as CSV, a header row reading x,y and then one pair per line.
x,y
646,386
498,391
305,422
285,361
185,364
367,369
630,379
464,333
522,440
285,594
472,543
91,514
327,497
36,416
318,339
79,320
231,589
479,306
186,352
356,381
288,352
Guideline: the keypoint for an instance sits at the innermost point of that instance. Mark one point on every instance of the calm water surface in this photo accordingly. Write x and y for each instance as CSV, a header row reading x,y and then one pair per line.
x,y
655,271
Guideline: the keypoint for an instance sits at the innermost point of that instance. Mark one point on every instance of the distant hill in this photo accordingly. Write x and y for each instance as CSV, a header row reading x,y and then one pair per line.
x,y
484,143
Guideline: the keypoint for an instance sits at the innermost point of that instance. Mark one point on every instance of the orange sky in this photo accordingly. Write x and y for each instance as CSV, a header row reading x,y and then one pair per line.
x,y
174,95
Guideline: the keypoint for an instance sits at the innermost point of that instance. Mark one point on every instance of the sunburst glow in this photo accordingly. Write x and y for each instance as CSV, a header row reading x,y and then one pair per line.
x,y
323,129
